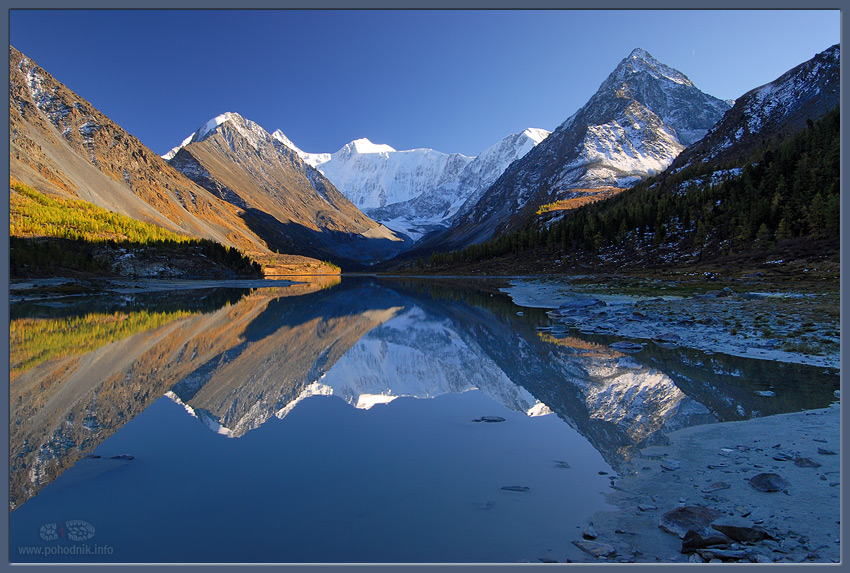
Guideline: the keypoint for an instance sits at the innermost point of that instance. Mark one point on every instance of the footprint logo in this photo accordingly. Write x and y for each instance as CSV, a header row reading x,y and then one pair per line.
x,y
48,532
79,530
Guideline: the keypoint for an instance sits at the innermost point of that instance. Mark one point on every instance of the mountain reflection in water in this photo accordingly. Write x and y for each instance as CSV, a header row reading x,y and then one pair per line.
x,y
236,358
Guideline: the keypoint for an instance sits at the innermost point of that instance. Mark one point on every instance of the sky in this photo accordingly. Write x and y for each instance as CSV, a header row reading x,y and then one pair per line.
x,y
455,81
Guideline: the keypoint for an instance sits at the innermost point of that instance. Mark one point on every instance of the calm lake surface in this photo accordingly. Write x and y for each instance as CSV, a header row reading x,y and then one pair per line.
x,y
359,420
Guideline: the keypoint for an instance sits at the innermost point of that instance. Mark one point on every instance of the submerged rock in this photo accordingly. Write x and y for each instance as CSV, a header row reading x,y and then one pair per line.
x,y
681,520
520,488
768,482
765,393
595,548
589,532
581,304
806,463
489,419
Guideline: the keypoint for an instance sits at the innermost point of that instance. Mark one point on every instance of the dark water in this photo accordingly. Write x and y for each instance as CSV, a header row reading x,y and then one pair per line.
x,y
360,422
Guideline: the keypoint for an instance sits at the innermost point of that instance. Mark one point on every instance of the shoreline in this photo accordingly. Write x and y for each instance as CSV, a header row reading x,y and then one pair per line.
x,y
710,466
749,322
25,290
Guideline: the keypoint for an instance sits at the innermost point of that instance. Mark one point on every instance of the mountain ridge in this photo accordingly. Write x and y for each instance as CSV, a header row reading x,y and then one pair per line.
x,y
287,202
613,140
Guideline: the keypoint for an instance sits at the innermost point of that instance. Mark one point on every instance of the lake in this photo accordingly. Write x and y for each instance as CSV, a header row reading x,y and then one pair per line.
x,y
353,420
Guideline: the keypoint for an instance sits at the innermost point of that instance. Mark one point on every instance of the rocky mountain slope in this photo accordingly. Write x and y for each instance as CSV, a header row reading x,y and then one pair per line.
x,y
772,112
287,202
643,115
60,144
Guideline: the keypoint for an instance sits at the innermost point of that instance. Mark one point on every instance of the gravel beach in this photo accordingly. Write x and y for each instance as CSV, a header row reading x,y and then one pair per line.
x,y
715,467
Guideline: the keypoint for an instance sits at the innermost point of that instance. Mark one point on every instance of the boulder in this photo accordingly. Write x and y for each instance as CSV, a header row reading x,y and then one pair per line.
x,y
739,533
681,520
768,482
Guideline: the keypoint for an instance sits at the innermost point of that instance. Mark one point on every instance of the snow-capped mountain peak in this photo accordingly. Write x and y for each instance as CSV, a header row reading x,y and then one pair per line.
x,y
279,135
363,145
536,134
643,115
416,190
247,128
210,126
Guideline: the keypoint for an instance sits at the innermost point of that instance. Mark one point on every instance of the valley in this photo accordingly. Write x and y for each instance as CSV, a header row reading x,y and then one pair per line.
x,y
547,351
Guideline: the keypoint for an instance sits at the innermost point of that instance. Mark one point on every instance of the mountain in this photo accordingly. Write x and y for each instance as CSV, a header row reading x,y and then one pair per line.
x,y
772,112
376,175
761,189
643,115
284,200
417,190
438,206
61,145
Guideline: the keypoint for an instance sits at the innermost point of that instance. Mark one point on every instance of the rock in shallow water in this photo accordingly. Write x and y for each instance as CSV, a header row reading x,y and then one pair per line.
x,y
489,419
520,488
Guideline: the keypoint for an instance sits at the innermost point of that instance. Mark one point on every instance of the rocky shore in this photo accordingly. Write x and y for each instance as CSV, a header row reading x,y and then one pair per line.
x,y
765,490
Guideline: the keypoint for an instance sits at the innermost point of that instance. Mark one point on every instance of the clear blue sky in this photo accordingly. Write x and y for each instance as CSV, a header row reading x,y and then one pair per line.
x,y
456,81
